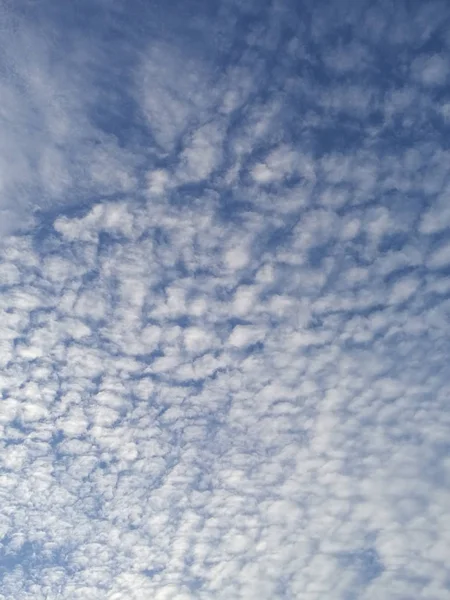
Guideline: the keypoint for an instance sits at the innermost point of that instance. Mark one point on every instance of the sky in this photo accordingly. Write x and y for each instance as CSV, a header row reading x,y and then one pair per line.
x,y
224,300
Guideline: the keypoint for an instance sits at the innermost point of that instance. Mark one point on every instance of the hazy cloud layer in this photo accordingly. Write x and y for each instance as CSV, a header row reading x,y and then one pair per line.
x,y
224,300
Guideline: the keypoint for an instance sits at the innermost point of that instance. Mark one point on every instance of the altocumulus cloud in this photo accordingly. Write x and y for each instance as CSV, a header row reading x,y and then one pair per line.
x,y
225,300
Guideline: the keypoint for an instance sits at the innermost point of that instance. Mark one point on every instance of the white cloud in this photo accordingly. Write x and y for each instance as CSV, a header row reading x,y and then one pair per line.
x,y
242,336
202,154
431,70
158,181
236,258
440,257
245,300
403,289
196,340
279,164
437,218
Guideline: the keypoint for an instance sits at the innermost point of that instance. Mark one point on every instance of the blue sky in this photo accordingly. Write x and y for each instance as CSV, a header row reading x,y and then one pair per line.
x,y
224,300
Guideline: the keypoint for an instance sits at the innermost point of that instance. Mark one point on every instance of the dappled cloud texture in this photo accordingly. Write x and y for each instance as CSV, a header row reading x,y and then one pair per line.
x,y
224,300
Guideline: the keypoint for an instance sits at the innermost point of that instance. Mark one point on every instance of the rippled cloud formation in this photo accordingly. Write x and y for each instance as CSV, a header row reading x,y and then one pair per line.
x,y
224,300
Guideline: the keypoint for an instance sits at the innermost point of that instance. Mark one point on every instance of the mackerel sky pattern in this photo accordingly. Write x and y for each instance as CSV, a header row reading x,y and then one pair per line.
x,y
224,300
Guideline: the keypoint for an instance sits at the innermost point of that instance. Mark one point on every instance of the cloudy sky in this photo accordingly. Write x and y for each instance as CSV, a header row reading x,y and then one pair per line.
x,y
224,300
